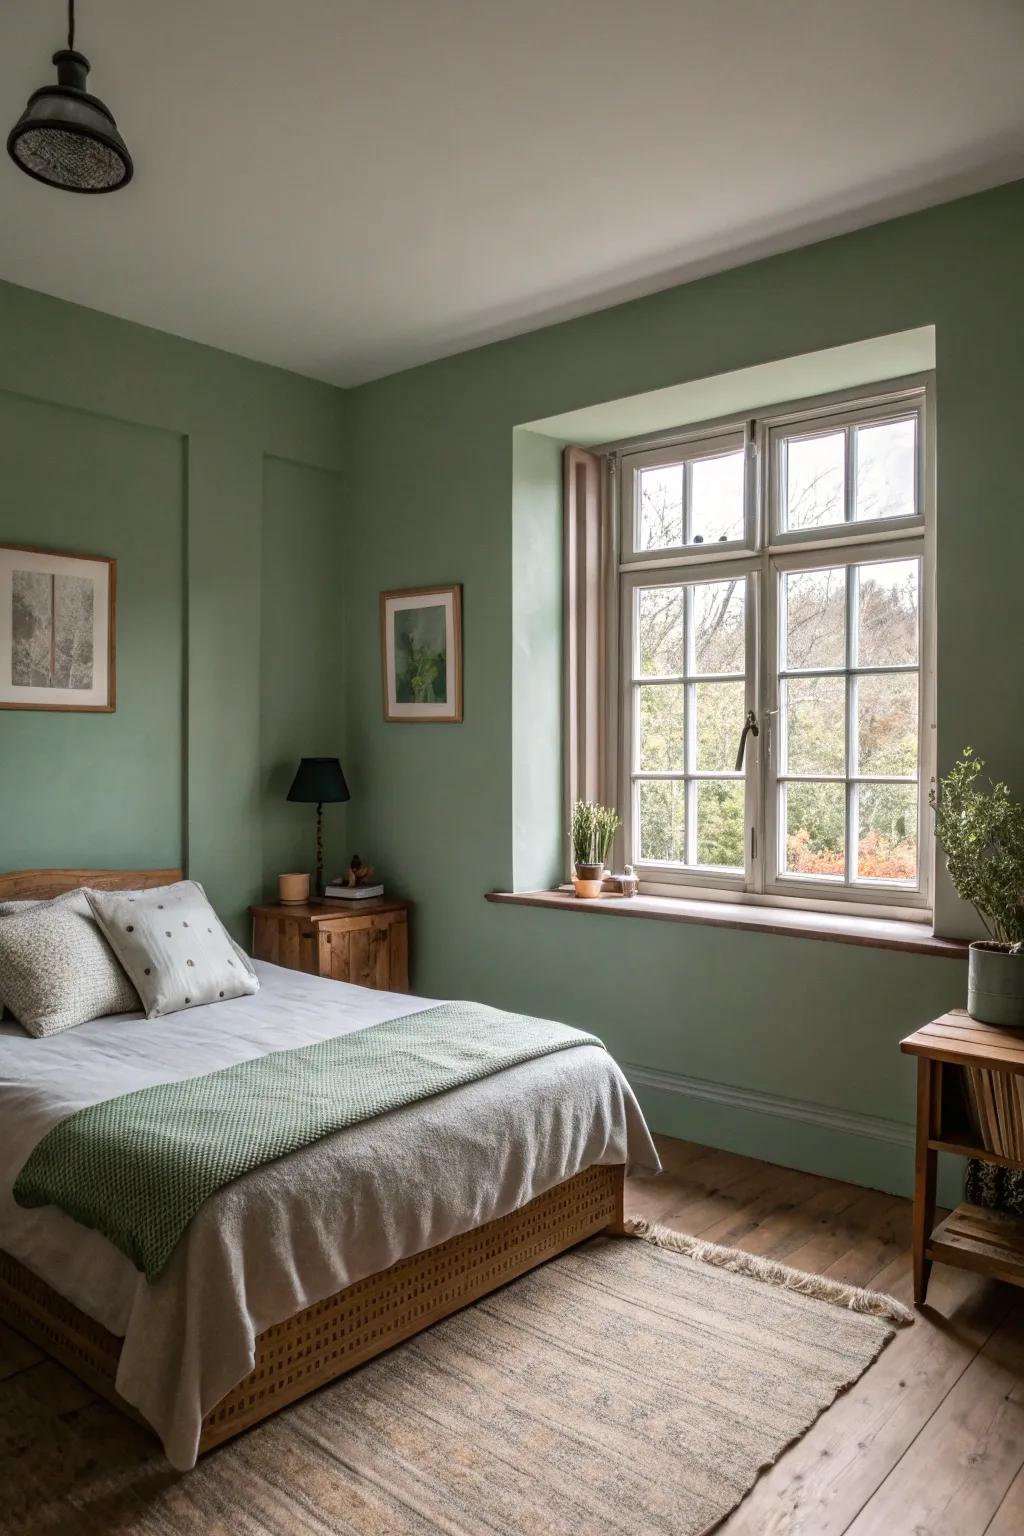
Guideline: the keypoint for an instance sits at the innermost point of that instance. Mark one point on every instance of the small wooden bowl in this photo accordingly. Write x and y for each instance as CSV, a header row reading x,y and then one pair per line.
x,y
292,889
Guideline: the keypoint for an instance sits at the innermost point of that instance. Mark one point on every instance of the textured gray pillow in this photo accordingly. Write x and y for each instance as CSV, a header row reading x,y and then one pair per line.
x,y
8,909
173,946
56,968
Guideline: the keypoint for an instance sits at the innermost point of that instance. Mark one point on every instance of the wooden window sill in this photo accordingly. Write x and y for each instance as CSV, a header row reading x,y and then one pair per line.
x,y
872,932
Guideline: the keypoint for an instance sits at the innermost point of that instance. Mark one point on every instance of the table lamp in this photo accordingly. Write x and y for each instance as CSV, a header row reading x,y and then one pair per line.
x,y
319,781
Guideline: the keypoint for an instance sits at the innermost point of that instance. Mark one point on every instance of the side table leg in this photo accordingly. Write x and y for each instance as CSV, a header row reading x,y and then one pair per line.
x,y
924,1175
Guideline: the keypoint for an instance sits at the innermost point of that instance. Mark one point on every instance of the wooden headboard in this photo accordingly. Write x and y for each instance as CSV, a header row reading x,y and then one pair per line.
x,y
42,884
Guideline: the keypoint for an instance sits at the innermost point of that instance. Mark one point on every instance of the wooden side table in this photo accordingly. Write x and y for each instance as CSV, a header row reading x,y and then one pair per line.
x,y
364,942
991,1242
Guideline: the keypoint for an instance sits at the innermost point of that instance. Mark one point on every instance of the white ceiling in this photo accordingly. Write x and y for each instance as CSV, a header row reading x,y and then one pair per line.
x,y
349,187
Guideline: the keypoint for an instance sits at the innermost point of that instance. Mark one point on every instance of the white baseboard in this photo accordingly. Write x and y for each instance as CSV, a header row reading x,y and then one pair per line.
x,y
796,1133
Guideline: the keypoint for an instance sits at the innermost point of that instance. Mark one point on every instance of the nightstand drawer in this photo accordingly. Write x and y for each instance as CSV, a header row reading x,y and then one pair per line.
x,y
285,940
369,951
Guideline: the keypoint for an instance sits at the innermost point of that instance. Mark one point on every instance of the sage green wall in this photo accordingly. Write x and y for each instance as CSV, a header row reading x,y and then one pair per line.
x,y
445,809
302,670
537,676
119,440
69,482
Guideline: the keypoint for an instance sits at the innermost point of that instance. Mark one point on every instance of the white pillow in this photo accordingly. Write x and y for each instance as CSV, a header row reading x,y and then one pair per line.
x,y
173,946
56,968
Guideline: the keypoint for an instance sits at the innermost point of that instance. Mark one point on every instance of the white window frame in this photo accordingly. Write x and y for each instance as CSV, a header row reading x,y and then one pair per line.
x,y
708,443
762,557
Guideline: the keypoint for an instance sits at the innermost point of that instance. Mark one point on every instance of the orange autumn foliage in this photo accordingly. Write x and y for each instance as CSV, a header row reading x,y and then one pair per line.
x,y
877,858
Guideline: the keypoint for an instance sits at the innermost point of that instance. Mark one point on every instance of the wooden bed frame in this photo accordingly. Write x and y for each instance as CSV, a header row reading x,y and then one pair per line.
x,y
321,1342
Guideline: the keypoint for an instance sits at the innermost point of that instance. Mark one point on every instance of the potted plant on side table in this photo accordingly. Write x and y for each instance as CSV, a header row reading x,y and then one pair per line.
x,y
593,828
981,832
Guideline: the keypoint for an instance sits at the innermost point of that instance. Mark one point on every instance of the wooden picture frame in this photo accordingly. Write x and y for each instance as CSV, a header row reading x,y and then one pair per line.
x,y
58,630
421,654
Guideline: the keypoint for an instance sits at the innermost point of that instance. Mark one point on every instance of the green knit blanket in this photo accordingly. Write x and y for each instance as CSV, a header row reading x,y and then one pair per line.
x,y
137,1168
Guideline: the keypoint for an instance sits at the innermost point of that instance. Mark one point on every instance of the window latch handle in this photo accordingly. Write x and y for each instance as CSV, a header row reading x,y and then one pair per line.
x,y
750,727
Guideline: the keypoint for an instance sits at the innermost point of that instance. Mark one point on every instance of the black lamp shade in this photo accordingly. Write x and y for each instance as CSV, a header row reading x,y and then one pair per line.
x,y
318,781
67,138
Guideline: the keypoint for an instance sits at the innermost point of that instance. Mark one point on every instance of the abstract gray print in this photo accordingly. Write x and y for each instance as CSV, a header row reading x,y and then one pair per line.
x,y
51,630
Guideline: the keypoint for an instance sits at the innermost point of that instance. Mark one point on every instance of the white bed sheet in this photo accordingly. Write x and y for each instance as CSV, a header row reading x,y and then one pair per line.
x,y
301,1228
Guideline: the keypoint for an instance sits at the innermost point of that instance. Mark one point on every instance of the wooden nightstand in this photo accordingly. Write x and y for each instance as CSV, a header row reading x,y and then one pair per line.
x,y
368,946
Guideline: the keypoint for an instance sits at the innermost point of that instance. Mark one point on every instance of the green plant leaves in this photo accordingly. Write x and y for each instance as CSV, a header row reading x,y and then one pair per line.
x,y
981,832
593,828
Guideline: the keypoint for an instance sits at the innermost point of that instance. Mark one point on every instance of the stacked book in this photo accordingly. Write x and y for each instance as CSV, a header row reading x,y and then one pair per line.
x,y
336,891
995,1105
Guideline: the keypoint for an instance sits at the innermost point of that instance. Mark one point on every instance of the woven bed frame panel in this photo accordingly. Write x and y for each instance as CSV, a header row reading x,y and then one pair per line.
x,y
323,1341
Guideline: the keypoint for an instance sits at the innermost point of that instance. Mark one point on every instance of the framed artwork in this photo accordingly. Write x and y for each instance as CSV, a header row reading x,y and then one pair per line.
x,y
57,630
421,653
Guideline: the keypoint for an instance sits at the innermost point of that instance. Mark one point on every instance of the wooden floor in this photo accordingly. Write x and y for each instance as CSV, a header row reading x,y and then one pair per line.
x,y
929,1442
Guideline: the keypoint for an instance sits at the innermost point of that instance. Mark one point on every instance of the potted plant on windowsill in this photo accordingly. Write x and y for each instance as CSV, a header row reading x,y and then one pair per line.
x,y
593,828
981,832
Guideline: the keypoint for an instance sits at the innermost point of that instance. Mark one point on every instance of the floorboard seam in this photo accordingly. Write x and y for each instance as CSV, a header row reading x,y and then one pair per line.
x,y
925,1422
997,1512
11,1375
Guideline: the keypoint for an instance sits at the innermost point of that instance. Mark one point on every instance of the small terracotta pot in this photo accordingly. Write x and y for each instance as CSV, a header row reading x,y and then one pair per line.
x,y
293,888
588,881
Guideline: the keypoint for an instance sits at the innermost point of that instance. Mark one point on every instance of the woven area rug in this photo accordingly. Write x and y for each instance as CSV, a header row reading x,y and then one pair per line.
x,y
627,1388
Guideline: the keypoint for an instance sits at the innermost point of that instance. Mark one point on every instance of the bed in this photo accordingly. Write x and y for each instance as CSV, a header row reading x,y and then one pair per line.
x,y
302,1269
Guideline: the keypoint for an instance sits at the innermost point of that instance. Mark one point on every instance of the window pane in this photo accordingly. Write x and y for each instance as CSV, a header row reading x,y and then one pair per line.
x,y
887,832
661,728
885,469
719,635
815,618
815,823
720,826
716,499
887,723
815,478
721,710
887,613
662,637
815,733
661,506
663,820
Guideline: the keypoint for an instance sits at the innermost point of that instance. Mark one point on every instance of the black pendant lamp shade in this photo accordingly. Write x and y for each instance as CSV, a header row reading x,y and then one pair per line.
x,y
67,138
319,781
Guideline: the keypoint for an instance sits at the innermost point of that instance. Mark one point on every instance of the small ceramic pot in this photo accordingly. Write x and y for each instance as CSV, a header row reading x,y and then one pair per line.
x,y
588,881
995,985
293,888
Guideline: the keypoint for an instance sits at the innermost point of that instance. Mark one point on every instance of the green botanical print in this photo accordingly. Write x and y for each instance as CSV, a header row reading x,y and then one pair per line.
x,y
421,672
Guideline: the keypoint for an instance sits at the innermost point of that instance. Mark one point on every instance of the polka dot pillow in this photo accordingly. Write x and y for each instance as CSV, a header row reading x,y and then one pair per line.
x,y
173,946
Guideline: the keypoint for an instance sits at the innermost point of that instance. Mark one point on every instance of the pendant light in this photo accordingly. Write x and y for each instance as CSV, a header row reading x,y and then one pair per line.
x,y
67,138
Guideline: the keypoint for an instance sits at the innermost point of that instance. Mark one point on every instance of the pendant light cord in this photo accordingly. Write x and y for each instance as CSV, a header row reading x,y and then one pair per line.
x,y
71,24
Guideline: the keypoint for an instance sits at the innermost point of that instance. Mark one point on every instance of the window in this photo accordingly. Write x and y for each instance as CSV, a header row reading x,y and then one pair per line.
x,y
770,696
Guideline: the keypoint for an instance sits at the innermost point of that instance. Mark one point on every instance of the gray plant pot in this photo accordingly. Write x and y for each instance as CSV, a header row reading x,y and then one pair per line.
x,y
995,985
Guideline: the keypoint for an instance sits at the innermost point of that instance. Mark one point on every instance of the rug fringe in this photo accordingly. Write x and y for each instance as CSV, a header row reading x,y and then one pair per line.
x,y
772,1272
